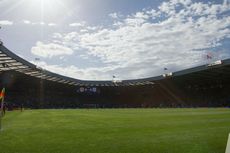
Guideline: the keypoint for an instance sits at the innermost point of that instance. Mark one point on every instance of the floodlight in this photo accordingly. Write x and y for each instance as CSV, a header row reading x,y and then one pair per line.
x,y
219,62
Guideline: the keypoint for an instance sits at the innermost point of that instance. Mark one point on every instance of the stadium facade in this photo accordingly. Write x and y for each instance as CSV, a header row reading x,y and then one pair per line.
x,y
203,86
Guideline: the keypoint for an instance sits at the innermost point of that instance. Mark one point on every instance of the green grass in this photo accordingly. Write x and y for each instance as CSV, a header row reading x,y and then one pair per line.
x,y
116,131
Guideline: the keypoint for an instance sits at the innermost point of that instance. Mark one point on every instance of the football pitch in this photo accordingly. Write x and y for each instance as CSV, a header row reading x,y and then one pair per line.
x,y
200,130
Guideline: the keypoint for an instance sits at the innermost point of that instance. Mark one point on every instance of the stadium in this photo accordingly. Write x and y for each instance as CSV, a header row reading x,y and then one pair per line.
x,y
33,88
106,76
28,85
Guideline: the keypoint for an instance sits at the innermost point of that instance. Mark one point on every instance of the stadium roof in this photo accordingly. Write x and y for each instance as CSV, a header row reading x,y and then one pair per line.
x,y
10,61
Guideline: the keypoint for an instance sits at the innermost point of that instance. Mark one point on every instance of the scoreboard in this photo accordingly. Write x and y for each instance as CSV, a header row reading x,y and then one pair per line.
x,y
88,90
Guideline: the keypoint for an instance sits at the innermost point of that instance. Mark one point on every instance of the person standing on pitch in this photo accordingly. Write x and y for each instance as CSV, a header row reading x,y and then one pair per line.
x,y
21,107
4,109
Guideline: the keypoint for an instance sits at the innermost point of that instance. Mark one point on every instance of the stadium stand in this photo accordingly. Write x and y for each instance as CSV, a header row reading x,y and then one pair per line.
x,y
202,86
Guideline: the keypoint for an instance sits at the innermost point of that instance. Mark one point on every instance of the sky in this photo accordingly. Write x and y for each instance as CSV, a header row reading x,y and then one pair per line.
x,y
129,39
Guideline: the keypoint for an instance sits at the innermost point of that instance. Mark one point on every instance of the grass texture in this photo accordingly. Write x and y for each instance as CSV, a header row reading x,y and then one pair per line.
x,y
200,130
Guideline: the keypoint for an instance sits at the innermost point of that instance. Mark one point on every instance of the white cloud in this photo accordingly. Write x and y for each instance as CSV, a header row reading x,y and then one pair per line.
x,y
39,23
113,15
75,72
42,23
77,24
83,30
57,36
153,13
6,22
141,15
52,24
50,50
92,28
26,21
137,47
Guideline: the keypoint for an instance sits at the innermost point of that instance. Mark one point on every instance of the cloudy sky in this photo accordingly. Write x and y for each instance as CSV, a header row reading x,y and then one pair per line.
x,y
96,39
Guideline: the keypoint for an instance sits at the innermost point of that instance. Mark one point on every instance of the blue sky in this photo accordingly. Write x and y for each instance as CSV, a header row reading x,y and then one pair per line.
x,y
96,39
